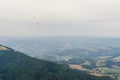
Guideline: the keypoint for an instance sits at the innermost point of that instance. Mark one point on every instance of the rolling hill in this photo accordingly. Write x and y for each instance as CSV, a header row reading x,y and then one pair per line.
x,y
15,65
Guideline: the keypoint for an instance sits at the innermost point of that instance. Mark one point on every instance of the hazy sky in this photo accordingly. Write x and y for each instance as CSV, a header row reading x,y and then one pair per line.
x,y
60,17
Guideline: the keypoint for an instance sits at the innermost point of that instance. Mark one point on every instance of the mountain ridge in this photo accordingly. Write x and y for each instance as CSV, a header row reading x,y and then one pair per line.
x,y
15,65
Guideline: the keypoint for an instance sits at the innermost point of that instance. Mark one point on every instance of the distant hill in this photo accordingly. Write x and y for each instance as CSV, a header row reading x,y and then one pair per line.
x,y
18,66
97,61
38,46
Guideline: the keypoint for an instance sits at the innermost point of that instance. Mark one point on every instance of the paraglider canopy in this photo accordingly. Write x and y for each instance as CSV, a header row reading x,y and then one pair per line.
x,y
37,20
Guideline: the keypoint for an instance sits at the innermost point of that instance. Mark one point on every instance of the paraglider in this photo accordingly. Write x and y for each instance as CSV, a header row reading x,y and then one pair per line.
x,y
37,23
37,20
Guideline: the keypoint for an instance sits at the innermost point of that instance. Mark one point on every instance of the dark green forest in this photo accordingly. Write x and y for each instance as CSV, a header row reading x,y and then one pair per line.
x,y
18,66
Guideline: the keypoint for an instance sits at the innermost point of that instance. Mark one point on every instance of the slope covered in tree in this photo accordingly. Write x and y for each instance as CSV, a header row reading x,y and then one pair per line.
x,y
18,66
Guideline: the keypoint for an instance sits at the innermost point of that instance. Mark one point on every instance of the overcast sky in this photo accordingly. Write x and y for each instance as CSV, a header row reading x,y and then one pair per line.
x,y
60,17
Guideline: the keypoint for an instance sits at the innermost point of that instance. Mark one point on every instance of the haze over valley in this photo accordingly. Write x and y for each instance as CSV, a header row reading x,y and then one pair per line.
x,y
94,55
59,39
